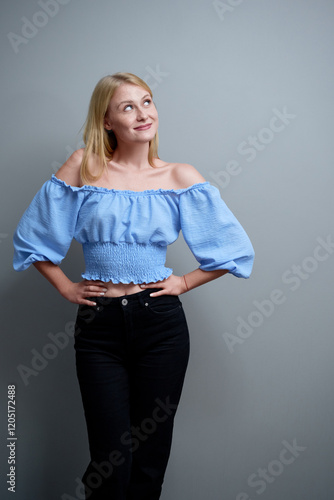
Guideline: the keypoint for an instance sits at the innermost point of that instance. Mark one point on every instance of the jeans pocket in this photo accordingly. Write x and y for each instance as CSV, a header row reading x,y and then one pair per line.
x,y
163,304
87,314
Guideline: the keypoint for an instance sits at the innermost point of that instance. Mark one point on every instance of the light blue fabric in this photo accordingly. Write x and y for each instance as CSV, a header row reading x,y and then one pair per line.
x,y
125,233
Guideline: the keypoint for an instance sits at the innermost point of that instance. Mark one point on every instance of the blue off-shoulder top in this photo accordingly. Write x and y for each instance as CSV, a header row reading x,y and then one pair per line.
x,y
125,234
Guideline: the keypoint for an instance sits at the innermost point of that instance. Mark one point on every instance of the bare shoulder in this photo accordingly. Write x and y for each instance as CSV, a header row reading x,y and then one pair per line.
x,y
69,172
185,175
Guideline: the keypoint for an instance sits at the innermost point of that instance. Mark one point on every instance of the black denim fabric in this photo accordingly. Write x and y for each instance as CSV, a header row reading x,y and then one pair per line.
x,y
132,354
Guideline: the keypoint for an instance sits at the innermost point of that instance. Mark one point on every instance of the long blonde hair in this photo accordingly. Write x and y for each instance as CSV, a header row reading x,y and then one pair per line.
x,y
100,142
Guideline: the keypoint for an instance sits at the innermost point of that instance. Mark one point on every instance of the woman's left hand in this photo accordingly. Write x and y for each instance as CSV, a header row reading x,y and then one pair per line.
x,y
173,285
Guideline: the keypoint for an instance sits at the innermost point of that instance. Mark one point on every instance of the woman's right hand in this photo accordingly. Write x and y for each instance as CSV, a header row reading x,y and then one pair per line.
x,y
79,292
74,292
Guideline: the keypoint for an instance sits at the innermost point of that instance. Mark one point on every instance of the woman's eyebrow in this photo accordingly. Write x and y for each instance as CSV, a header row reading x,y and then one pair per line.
x,y
129,100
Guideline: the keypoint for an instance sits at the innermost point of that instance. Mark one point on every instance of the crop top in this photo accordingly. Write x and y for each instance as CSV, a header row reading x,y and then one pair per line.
x,y
125,234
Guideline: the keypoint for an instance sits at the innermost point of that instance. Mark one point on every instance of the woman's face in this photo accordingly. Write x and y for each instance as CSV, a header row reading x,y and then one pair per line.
x,y
132,115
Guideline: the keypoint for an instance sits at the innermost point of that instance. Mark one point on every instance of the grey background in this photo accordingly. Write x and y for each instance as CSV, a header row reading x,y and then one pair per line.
x,y
217,70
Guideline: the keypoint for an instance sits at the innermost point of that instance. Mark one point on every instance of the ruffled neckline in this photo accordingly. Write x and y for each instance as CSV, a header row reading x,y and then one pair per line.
x,y
97,189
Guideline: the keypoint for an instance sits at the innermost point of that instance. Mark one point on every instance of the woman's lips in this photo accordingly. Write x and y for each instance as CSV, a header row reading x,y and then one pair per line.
x,y
144,127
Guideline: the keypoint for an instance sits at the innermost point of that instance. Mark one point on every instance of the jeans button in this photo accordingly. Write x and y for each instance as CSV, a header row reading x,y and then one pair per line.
x,y
124,302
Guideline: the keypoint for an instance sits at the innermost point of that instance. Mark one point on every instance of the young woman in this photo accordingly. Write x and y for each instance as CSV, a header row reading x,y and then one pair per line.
x,y
125,205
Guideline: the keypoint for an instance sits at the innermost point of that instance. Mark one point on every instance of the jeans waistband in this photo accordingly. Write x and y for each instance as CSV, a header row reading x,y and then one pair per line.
x,y
132,297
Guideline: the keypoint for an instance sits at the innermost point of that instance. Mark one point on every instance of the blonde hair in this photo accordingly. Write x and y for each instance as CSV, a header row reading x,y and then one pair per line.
x,y
99,141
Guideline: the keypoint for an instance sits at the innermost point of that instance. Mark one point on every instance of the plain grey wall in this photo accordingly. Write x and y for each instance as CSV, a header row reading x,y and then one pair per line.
x,y
244,90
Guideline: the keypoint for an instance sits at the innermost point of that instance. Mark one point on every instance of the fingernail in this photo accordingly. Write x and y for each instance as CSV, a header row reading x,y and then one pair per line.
x,y
142,286
105,289
102,293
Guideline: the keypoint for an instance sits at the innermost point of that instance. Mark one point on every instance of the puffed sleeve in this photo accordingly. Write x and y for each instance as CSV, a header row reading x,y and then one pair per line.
x,y
47,227
212,232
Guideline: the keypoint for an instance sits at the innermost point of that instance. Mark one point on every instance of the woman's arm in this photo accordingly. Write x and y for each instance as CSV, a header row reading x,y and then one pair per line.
x,y
176,285
74,292
198,277
185,175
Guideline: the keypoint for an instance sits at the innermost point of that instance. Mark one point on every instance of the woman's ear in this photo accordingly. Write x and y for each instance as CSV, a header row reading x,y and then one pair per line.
x,y
106,124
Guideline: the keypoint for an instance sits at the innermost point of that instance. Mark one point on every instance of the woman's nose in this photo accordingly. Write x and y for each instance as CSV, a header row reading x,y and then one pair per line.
x,y
141,114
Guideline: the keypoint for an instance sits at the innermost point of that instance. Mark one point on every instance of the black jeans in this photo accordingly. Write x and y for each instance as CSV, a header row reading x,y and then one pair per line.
x,y
131,358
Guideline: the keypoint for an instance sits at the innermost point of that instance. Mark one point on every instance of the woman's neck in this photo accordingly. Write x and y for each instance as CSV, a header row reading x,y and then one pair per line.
x,y
134,156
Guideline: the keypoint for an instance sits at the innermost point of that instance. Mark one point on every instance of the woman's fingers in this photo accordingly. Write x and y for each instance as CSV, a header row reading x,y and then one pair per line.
x,y
154,284
173,285
94,287
89,303
100,291
94,283
159,284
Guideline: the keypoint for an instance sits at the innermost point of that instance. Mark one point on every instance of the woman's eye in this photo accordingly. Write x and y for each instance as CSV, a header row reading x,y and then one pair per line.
x,y
147,101
128,106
